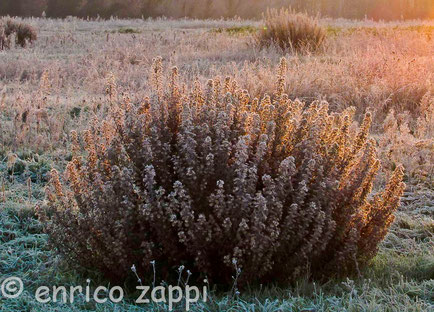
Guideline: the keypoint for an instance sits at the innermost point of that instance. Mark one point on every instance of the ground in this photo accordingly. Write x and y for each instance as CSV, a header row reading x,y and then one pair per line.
x,y
58,84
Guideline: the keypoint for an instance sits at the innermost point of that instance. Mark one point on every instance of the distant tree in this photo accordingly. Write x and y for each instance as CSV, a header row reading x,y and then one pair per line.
x,y
126,8
232,7
63,8
33,7
95,7
149,7
3,8
10,7
354,9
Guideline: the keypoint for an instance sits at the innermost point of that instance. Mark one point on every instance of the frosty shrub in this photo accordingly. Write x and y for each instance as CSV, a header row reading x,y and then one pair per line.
x,y
24,34
288,29
211,177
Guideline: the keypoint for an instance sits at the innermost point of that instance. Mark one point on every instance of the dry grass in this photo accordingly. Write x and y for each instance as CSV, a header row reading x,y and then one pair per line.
x,y
290,30
55,85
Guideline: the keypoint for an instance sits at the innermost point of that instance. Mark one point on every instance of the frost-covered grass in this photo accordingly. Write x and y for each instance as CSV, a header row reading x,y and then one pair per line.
x,y
400,278
365,64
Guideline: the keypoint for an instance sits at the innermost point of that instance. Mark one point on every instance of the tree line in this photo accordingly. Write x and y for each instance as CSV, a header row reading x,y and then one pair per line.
x,y
356,9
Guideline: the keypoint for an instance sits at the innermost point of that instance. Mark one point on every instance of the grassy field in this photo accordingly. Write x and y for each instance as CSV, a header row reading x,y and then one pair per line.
x,y
60,82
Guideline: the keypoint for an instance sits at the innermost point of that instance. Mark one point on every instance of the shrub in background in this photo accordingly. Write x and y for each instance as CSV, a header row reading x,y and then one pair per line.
x,y
24,34
211,178
290,30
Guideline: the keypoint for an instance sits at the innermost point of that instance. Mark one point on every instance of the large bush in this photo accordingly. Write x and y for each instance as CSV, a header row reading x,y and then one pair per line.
x,y
206,177
290,30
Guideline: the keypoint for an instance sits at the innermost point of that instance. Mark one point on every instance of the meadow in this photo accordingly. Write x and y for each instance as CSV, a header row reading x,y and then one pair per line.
x,y
77,68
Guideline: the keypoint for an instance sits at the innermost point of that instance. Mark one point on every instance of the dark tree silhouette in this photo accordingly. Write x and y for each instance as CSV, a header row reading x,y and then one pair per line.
x,y
11,7
63,8
354,9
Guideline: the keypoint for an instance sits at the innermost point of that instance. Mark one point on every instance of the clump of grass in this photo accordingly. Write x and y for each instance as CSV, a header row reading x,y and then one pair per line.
x,y
24,33
290,30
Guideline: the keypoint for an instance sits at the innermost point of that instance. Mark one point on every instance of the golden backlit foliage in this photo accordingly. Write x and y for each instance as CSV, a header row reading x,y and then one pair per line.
x,y
209,176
